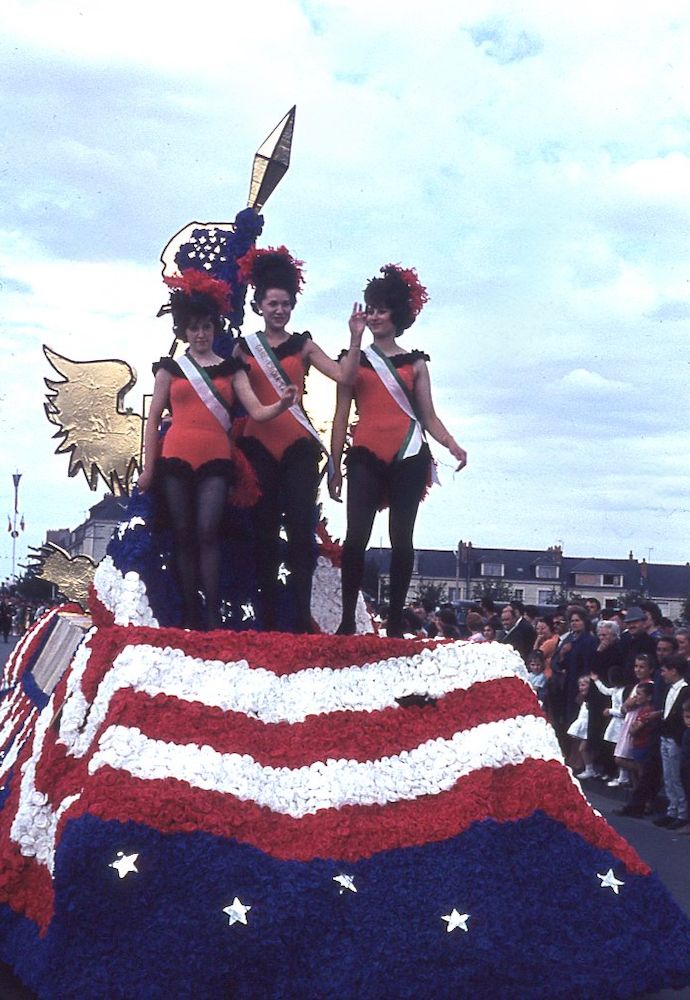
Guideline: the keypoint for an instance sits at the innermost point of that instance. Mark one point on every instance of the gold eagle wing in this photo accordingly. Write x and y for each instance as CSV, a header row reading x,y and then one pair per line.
x,y
101,437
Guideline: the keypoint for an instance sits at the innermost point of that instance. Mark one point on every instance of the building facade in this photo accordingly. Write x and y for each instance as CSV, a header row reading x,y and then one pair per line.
x,y
92,536
538,577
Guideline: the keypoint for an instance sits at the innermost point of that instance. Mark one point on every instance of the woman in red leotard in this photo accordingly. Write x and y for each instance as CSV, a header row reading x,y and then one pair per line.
x,y
197,465
389,462
285,455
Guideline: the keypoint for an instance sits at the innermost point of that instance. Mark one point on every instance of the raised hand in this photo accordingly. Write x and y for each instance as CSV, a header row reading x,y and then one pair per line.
x,y
357,321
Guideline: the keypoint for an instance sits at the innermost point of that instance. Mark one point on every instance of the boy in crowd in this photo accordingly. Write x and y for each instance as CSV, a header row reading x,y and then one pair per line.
x,y
671,730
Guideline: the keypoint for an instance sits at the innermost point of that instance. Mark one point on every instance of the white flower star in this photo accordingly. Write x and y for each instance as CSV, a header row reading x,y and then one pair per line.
x,y
124,864
455,919
237,912
283,573
346,882
609,881
247,612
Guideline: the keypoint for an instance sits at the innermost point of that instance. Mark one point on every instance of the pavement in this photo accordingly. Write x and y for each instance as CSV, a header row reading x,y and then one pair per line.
x,y
665,852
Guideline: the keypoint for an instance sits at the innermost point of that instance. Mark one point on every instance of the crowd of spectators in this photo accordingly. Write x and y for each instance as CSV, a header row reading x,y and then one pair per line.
x,y
17,616
613,684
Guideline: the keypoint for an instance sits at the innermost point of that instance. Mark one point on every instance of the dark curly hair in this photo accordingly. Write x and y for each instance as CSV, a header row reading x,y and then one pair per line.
x,y
391,292
186,307
274,270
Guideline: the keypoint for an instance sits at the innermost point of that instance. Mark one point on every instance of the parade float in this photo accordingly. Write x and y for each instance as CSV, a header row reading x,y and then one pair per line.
x,y
255,814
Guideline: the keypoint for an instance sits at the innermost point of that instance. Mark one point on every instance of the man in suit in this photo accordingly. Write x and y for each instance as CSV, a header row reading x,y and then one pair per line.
x,y
518,632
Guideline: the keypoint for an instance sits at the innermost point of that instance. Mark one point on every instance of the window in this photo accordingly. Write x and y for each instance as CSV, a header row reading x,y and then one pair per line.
x,y
518,594
548,571
492,569
545,597
598,580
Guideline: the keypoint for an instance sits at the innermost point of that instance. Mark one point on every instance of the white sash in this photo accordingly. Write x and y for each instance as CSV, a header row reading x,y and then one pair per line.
x,y
277,380
200,387
415,436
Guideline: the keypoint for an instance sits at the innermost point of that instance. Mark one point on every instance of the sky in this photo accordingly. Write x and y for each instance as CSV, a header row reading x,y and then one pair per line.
x,y
531,160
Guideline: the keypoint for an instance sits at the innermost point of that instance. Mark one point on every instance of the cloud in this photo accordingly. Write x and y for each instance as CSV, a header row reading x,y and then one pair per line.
x,y
534,168
503,42
582,381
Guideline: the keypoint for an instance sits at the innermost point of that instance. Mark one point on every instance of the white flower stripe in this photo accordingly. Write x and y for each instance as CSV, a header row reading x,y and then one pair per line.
x,y
432,767
123,595
35,823
260,693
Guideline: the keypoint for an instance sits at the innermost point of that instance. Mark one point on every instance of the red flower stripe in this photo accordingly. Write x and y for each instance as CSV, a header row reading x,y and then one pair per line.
x,y
343,735
355,832
26,886
282,654
24,883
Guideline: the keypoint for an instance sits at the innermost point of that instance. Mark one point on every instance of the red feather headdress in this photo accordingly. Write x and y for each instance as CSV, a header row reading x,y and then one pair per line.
x,y
246,265
194,282
416,290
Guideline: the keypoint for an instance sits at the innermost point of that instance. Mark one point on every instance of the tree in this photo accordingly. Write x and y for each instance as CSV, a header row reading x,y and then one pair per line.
x,y
494,588
431,594
631,599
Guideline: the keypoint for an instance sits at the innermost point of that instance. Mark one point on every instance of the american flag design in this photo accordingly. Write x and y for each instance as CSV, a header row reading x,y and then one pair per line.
x,y
265,815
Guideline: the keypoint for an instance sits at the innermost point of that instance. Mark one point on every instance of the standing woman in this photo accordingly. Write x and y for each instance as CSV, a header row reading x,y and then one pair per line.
x,y
197,468
575,658
389,463
285,456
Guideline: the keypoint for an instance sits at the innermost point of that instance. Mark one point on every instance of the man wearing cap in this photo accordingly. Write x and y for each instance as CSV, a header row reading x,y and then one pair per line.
x,y
636,640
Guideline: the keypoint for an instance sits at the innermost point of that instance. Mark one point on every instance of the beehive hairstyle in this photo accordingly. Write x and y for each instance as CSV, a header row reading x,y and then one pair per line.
x,y
399,290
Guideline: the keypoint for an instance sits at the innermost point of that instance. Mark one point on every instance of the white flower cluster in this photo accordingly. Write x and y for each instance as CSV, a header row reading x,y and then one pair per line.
x,y
434,765
326,600
35,823
428,769
124,596
260,693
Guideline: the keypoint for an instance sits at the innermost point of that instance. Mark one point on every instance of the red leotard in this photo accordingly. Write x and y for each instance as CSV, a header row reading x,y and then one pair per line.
x,y
195,436
382,426
278,434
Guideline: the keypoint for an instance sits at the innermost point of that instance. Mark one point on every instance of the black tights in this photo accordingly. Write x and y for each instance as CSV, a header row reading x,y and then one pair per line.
x,y
367,485
195,508
288,496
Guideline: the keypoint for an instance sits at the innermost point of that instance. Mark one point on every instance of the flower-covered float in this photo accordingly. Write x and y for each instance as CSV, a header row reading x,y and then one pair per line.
x,y
237,814
199,816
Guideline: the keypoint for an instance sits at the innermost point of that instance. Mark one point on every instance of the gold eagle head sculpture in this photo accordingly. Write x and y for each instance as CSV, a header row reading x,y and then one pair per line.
x,y
72,575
